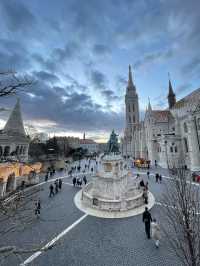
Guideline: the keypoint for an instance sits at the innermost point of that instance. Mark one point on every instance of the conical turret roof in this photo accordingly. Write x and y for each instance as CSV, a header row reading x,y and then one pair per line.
x,y
14,125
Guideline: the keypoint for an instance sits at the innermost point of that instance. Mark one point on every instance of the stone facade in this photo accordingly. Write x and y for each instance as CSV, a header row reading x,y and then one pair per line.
x,y
165,136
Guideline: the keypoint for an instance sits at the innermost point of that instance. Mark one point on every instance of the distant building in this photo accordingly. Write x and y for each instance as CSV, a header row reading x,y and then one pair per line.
x,y
14,143
164,136
88,144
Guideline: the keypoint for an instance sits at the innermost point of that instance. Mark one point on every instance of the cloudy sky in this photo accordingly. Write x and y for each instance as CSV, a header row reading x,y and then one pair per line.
x,y
78,53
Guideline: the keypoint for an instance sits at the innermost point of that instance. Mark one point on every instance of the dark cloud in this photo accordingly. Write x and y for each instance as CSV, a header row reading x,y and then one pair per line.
x,y
101,49
192,67
17,16
153,58
46,76
98,79
68,52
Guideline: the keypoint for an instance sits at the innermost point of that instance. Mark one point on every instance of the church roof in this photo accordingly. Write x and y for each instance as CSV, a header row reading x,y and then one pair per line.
x,y
161,116
87,141
14,125
191,100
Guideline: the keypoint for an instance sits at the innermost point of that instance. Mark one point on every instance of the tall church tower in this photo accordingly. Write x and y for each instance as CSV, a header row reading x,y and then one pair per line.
x,y
132,116
171,96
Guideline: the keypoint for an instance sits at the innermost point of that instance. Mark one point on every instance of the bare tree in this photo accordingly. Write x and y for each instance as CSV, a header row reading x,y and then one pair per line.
x,y
10,83
182,214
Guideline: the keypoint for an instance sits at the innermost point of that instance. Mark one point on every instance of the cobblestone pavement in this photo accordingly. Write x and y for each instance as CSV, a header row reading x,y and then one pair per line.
x,y
92,242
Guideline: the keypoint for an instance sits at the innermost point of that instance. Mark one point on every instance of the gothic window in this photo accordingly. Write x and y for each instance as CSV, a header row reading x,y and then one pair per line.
x,y
7,151
129,119
185,144
133,119
185,127
171,149
129,108
175,149
133,107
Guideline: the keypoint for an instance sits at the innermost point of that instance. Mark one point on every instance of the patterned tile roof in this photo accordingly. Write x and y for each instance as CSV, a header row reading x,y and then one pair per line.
x,y
191,99
161,115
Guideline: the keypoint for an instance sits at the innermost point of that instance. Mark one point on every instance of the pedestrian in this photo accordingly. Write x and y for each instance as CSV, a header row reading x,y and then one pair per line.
x,y
74,181
155,163
146,186
60,183
155,229
79,182
85,179
137,176
56,186
92,169
145,195
148,174
147,221
142,183
46,176
157,177
37,208
160,178
51,191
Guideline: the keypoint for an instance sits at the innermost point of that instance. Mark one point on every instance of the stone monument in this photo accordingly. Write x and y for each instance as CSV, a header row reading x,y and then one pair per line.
x,y
113,189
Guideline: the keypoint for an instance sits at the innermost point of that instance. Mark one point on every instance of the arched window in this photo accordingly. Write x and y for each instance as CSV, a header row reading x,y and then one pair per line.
x,y
21,150
133,107
185,127
175,149
129,108
133,119
17,150
171,149
7,151
185,144
129,119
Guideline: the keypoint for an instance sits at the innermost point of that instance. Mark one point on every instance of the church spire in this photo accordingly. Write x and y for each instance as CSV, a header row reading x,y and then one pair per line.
x,y
171,95
14,125
149,105
130,80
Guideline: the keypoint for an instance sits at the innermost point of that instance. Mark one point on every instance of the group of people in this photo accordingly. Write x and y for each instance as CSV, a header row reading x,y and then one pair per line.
x,y
78,181
53,189
152,229
50,172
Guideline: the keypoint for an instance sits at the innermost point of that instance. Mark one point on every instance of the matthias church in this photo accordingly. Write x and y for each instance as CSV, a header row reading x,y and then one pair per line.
x,y
164,136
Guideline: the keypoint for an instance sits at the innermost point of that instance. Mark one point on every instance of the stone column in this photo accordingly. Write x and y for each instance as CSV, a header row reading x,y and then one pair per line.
x,y
194,150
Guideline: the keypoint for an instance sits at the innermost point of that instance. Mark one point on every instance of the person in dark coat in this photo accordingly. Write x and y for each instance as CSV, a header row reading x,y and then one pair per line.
x,y
60,183
148,174
51,191
157,177
37,208
160,178
74,181
147,221
142,183
46,176
56,186
85,179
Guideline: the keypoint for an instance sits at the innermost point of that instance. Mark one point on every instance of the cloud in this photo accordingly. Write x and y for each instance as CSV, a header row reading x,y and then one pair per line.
x,y
101,49
98,79
17,16
46,76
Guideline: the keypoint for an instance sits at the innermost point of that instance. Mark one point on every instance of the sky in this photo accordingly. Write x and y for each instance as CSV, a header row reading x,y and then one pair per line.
x,y
77,53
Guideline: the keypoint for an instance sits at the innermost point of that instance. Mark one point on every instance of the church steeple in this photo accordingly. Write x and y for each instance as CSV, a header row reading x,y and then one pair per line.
x,y
149,106
171,95
130,87
14,125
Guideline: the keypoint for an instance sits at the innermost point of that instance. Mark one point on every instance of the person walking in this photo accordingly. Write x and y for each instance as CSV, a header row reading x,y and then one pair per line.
x,y
145,195
147,221
56,186
157,177
51,191
37,208
60,183
160,178
155,229
74,181
85,180
46,177
148,174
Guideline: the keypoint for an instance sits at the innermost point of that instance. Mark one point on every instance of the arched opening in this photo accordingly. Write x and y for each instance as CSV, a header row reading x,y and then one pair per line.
x,y
21,150
24,150
17,150
185,144
10,186
7,151
1,151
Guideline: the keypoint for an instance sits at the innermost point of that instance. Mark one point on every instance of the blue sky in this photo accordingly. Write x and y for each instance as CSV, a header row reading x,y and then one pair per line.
x,y
78,53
